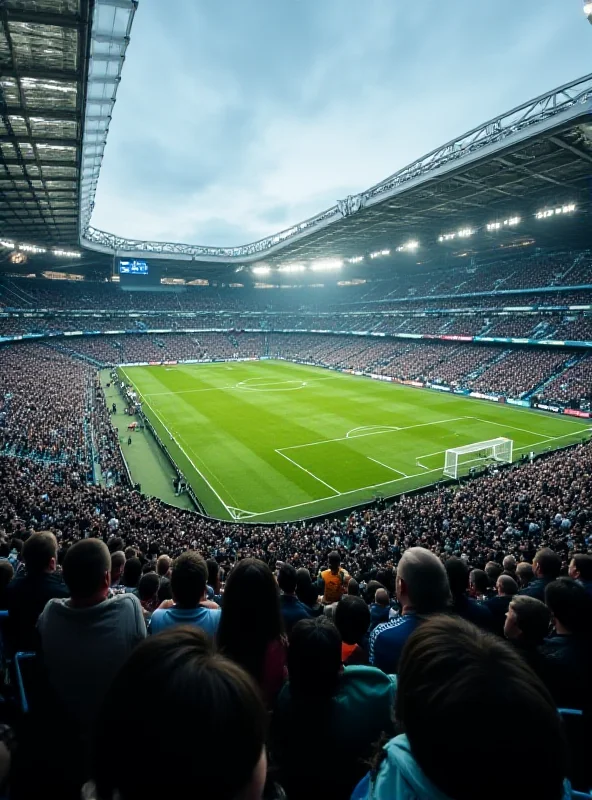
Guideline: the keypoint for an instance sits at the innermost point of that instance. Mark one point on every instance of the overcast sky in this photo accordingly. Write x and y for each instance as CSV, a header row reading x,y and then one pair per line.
x,y
238,118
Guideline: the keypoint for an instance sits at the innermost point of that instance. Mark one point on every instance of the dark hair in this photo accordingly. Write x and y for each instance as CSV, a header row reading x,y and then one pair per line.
x,y
117,560
314,659
334,559
352,618
38,551
479,579
493,570
6,573
306,590
132,572
451,674
251,616
131,552
287,578
85,565
188,579
162,562
524,573
583,564
213,572
148,586
458,576
181,672
532,617
370,590
549,563
353,587
569,604
115,543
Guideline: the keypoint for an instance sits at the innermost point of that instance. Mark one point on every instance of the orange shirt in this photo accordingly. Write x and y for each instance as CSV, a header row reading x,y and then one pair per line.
x,y
334,584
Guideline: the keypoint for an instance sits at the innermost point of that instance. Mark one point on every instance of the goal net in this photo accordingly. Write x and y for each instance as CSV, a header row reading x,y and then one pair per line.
x,y
460,459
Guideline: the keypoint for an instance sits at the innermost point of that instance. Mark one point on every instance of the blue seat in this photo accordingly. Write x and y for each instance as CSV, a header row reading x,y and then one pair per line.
x,y
20,657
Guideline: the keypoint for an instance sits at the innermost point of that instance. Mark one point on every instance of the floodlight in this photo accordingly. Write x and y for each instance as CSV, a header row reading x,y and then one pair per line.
x,y
292,268
408,246
31,248
465,233
326,264
355,259
261,270
67,253
9,245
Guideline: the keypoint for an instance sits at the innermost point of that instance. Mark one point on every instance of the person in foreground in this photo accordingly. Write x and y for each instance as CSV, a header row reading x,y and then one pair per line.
x,y
451,675
213,744
350,706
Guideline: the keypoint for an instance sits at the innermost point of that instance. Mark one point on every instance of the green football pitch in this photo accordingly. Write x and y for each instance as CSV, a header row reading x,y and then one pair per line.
x,y
271,441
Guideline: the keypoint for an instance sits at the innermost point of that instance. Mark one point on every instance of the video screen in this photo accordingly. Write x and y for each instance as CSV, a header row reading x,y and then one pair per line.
x,y
133,267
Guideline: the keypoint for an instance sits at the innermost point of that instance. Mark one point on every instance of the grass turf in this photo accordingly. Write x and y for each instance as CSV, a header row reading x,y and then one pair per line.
x,y
273,441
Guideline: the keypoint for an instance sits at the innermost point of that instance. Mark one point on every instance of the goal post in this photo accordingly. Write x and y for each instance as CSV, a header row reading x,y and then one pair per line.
x,y
456,458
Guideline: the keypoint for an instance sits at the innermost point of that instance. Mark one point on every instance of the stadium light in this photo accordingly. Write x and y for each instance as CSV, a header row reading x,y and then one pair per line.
x,y
379,253
409,247
9,245
261,270
31,248
552,212
493,226
511,221
292,268
67,253
464,233
355,260
326,264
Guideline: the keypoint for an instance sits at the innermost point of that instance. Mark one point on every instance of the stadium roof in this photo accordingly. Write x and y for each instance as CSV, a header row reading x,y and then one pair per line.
x,y
536,156
59,70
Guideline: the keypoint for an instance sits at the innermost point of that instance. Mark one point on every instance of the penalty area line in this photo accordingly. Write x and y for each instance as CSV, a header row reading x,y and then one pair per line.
x,y
308,472
386,466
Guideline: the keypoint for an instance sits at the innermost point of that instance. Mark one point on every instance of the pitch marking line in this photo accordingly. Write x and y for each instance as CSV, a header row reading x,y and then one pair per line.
x,y
386,466
308,472
353,434
374,433
199,472
512,427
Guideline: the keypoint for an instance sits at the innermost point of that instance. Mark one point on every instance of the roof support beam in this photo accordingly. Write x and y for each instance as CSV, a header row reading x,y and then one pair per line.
x,y
6,137
571,148
43,74
43,113
40,18
40,163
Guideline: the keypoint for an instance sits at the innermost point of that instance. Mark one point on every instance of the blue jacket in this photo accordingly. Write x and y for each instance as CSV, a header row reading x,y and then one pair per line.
x,y
401,778
387,642
292,611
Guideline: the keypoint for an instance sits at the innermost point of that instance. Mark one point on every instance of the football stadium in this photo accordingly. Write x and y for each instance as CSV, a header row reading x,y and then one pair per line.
x,y
333,474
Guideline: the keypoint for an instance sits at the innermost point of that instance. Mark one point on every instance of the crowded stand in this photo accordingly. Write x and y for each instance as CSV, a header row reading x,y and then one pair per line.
x,y
351,624
117,588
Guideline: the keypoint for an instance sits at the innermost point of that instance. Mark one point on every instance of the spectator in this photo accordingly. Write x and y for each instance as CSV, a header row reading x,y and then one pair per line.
x,y
478,584
493,570
462,604
27,594
163,570
351,706
568,650
422,588
333,581
130,552
86,639
6,575
546,566
117,565
527,625
506,587
524,574
353,587
580,569
251,628
292,609
148,593
438,754
380,610
306,592
132,572
188,585
352,620
214,581
180,671
509,565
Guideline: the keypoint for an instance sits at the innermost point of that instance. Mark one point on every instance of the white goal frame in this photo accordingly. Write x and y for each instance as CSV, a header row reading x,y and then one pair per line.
x,y
499,450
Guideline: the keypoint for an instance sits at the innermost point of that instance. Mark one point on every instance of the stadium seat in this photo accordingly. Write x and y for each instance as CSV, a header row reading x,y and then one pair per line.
x,y
20,657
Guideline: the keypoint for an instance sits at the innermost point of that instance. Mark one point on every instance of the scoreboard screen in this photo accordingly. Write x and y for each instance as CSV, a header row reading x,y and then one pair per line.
x,y
134,267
